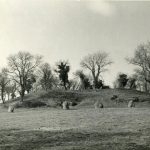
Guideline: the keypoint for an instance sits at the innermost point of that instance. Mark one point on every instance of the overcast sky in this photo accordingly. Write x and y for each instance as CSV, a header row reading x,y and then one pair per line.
x,y
68,29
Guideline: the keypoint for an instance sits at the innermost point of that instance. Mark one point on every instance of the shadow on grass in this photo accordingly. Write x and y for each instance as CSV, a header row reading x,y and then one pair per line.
x,y
69,139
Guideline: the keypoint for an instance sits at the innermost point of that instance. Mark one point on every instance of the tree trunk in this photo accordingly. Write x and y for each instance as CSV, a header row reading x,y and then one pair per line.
x,y
145,86
8,95
22,93
65,87
95,82
64,84
2,96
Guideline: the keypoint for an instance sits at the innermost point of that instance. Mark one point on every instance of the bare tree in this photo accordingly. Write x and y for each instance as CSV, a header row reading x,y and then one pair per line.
x,y
73,84
10,90
21,67
131,84
96,63
142,84
46,76
141,59
3,83
85,82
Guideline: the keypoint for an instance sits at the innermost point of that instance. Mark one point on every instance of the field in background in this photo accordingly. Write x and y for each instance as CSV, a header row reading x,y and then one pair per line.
x,y
115,127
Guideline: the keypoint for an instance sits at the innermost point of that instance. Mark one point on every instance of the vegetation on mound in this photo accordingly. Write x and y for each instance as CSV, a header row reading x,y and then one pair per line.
x,y
51,98
54,98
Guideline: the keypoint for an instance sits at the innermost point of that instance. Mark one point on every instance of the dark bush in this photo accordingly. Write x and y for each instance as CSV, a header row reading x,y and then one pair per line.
x,y
73,103
114,97
18,104
33,104
62,95
136,99
105,87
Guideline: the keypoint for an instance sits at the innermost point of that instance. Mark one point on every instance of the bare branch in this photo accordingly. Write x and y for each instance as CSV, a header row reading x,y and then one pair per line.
x,y
21,67
96,63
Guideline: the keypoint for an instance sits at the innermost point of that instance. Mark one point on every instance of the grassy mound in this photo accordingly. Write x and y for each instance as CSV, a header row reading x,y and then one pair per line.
x,y
54,98
104,96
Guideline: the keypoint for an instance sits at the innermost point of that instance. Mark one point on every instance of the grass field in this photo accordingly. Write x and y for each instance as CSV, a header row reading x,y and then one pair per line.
x,y
75,129
115,127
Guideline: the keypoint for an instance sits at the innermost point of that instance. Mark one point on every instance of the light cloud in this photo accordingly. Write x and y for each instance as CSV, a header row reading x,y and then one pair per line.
x,y
100,6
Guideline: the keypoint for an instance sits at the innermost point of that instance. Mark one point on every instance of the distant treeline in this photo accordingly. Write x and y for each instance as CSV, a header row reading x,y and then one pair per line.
x,y
26,72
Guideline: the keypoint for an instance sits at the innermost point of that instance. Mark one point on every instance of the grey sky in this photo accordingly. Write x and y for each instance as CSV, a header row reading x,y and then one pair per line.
x,y
69,29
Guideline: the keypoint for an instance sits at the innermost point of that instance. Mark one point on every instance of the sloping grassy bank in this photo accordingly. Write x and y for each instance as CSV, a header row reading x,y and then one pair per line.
x,y
54,98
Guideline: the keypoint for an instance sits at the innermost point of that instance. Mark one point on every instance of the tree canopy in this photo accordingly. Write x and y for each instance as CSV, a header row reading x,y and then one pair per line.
x,y
21,67
96,63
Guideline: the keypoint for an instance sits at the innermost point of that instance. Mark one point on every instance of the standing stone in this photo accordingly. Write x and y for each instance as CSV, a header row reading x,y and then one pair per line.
x,y
98,105
65,105
131,104
71,103
11,109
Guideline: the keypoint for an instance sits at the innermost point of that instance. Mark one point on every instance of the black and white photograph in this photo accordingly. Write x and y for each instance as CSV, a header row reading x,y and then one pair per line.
x,y
74,75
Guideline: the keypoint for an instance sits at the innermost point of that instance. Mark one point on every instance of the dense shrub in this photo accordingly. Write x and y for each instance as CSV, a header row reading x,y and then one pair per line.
x,y
33,104
62,95
73,103
114,97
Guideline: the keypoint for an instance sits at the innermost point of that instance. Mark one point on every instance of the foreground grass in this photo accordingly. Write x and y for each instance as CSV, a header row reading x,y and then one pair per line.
x,y
86,128
72,139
